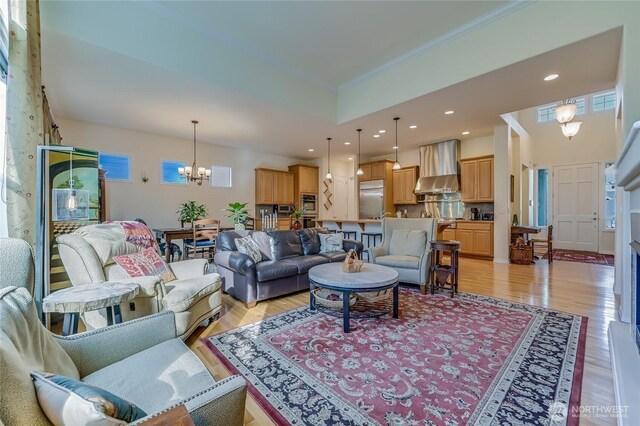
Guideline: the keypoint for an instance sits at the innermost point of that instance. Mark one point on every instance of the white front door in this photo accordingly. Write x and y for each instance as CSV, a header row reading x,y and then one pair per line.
x,y
575,207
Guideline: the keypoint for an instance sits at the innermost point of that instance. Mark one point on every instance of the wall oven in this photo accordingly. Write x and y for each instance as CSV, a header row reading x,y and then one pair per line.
x,y
309,203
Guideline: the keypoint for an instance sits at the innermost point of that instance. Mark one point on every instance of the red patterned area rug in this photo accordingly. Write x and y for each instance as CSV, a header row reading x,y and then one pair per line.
x,y
582,257
468,360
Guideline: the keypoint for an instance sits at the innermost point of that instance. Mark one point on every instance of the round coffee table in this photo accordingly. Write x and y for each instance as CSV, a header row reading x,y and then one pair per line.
x,y
371,278
73,301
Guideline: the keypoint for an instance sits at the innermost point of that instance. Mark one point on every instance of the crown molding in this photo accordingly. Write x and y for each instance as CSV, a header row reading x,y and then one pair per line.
x,y
473,25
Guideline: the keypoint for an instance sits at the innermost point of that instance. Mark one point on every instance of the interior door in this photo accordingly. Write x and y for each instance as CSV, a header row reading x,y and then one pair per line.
x,y
575,207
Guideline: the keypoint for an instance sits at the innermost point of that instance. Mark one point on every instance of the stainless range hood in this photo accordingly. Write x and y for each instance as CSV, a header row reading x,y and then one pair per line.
x,y
439,170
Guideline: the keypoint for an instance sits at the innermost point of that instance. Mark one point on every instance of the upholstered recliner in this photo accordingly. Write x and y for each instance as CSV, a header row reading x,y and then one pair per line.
x,y
87,255
405,247
141,361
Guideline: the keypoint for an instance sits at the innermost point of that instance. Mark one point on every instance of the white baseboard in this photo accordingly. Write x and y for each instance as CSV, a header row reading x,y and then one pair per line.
x,y
625,363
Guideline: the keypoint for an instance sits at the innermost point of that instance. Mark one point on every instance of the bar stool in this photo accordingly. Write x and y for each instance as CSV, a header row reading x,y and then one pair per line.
x,y
444,276
350,235
370,236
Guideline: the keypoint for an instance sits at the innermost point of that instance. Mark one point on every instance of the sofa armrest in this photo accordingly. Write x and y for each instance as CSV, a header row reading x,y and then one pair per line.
x,y
236,262
187,269
375,252
99,348
224,402
151,286
352,244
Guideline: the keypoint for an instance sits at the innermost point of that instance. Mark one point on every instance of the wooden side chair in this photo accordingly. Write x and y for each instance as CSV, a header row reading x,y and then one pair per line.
x,y
545,246
205,232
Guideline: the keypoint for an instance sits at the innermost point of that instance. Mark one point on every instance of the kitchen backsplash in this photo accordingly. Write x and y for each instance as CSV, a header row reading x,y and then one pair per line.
x,y
414,210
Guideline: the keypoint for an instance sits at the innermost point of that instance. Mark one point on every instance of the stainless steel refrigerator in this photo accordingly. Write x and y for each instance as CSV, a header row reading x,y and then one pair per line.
x,y
371,199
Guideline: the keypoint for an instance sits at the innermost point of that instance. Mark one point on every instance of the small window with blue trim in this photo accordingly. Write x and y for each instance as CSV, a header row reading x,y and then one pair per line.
x,y
170,172
117,167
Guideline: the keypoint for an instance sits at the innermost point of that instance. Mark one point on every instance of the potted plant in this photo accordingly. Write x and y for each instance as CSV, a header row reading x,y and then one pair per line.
x,y
238,214
296,216
191,211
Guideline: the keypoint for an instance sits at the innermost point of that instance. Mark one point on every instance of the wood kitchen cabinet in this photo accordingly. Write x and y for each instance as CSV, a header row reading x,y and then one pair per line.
x,y
404,184
305,179
274,187
378,170
476,238
366,175
476,175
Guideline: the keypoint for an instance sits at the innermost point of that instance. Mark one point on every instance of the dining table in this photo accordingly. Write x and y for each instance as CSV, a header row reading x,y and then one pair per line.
x,y
170,234
524,231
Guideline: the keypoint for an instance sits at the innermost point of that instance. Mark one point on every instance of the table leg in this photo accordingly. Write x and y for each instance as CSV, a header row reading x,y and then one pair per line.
x,y
395,301
345,311
117,314
70,323
167,251
312,298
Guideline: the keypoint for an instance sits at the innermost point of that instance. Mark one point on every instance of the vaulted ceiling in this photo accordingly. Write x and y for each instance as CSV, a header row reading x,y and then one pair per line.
x,y
267,75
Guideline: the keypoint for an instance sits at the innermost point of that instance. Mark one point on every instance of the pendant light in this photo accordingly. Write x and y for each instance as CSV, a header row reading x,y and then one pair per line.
x,y
72,201
328,176
360,172
565,114
193,173
396,165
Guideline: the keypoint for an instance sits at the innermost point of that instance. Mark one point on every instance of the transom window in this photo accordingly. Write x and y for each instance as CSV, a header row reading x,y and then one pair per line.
x,y
170,172
547,112
117,167
221,176
604,101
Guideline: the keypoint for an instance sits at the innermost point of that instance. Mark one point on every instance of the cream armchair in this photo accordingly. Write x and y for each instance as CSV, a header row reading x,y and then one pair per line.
x,y
87,255
405,247
141,361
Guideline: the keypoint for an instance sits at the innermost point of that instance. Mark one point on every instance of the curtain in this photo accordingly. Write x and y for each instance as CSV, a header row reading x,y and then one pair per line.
x,y
24,131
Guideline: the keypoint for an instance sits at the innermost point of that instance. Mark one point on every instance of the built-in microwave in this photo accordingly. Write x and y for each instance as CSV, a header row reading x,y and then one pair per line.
x,y
285,209
309,203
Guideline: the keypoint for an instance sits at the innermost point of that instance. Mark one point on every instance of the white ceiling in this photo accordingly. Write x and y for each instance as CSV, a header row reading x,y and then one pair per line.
x,y
95,73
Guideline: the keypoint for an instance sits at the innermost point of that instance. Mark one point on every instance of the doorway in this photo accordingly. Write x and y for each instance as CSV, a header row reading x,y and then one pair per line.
x,y
575,207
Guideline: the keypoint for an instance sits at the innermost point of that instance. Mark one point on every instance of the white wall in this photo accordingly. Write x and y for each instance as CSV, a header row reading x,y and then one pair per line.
x,y
595,143
154,201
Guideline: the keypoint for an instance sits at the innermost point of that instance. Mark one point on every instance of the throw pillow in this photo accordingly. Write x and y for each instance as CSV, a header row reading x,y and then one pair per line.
x,y
145,263
330,243
263,240
67,401
249,247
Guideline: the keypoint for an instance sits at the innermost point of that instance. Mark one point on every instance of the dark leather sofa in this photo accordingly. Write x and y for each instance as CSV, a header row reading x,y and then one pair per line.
x,y
294,253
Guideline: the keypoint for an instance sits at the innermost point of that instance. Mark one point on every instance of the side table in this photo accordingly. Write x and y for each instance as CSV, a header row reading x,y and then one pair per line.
x,y
444,276
73,301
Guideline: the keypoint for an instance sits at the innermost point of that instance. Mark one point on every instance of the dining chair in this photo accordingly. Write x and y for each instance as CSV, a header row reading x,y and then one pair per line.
x,y
545,245
205,232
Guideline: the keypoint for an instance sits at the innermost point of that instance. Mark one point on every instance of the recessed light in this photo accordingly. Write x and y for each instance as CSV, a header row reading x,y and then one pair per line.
x,y
551,77
376,136
382,131
350,158
310,149
413,126
347,143
465,133
395,147
448,112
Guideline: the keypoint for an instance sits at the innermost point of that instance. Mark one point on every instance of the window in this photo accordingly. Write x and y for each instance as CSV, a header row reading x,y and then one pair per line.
x,y
116,166
547,112
170,172
221,176
609,196
604,101
543,196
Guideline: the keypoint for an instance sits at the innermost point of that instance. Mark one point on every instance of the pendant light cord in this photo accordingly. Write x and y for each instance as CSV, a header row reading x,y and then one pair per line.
x,y
397,147
194,143
329,155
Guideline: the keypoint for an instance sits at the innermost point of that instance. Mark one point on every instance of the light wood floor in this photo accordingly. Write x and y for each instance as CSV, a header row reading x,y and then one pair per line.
x,y
571,287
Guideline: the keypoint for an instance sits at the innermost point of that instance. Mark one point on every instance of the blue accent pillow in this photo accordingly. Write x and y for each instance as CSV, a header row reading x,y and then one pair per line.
x,y
67,401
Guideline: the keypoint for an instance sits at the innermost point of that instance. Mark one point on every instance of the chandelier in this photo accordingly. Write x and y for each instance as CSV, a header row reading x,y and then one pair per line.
x,y
193,173
564,114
